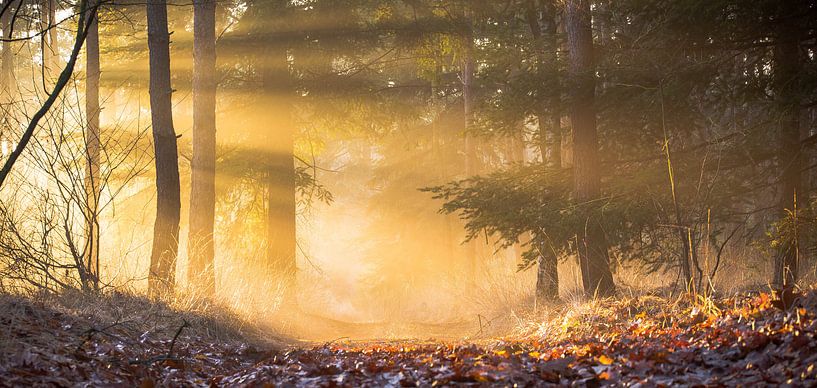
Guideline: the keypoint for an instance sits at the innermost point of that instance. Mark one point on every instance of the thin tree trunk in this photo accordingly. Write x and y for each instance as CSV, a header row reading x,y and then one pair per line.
x,y
592,245
203,167
6,73
472,166
553,137
547,274
92,144
7,67
161,279
516,155
50,49
274,109
53,54
281,205
542,22
684,232
786,69
437,151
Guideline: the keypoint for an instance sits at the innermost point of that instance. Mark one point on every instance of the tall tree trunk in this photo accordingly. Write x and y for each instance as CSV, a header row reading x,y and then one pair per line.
x,y
274,109
92,144
542,20
161,279
472,165
786,69
203,167
592,245
281,205
438,141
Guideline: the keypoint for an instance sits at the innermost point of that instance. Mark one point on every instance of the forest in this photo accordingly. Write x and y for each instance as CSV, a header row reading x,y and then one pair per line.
x,y
408,193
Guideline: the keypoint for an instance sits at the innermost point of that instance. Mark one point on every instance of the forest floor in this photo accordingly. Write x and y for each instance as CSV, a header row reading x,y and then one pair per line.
x,y
121,340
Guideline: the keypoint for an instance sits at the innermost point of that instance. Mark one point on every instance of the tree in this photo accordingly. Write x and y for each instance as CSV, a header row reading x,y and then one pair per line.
x,y
542,19
281,196
786,60
85,18
92,145
276,86
472,163
161,278
591,242
203,166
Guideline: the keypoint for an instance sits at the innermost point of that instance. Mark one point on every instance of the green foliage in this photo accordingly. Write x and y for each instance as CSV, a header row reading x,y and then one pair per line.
x,y
531,199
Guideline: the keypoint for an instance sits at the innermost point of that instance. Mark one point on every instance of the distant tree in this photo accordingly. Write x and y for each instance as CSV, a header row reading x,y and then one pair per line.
x,y
268,41
7,60
281,195
161,278
6,68
472,160
92,145
591,242
542,19
203,166
50,45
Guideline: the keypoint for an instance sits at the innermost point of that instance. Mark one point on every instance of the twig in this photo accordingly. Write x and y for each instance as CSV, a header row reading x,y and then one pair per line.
x,y
178,332
164,357
488,323
151,360
90,334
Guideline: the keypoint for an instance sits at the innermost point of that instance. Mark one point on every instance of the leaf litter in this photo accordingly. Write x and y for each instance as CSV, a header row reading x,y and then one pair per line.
x,y
638,342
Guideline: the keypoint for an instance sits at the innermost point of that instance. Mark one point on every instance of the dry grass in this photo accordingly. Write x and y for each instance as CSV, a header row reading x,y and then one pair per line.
x,y
583,317
127,316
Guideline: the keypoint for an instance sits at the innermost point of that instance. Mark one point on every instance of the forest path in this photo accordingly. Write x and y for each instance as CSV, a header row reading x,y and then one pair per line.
x,y
647,342
318,329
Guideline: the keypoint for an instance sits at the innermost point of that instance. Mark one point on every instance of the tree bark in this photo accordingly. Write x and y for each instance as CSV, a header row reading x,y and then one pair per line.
x,y
592,245
786,69
92,144
161,279
203,166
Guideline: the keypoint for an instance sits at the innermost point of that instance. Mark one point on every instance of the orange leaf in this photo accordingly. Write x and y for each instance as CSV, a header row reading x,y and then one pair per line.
x,y
535,354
